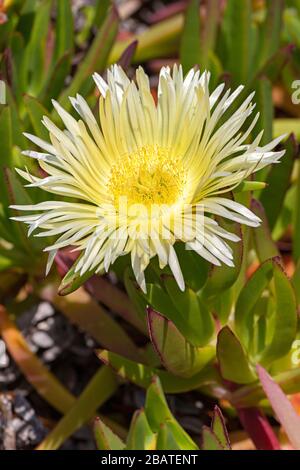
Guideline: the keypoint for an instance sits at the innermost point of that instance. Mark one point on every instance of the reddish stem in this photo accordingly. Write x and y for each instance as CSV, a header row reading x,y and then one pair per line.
x,y
64,260
259,429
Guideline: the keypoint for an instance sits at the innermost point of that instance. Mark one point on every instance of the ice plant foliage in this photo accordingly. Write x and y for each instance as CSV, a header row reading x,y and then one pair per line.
x,y
148,174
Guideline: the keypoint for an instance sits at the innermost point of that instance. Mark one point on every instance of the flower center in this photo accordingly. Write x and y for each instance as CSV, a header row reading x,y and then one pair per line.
x,y
148,176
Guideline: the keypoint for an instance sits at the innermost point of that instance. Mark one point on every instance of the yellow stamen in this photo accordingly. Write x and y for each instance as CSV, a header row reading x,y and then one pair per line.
x,y
148,176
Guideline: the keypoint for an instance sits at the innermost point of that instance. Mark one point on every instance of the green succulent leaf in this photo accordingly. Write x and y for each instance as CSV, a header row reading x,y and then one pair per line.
x,y
210,440
136,296
166,439
222,305
234,363
265,246
101,9
141,374
64,40
35,51
55,82
36,111
209,36
156,406
17,45
140,436
274,66
6,135
6,30
106,439
285,319
276,309
190,47
249,186
264,104
17,127
237,29
292,24
219,428
159,299
249,296
270,39
176,353
189,313
73,280
161,420
194,268
172,437
184,309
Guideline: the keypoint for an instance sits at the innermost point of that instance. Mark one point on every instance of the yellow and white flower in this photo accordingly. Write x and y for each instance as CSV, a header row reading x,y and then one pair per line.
x,y
131,182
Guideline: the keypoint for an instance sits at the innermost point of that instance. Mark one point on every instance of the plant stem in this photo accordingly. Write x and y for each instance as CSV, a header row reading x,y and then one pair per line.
x,y
258,428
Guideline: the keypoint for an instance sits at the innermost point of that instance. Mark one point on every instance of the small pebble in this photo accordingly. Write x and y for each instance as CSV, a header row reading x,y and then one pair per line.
x,y
46,325
4,359
44,310
51,354
8,377
42,339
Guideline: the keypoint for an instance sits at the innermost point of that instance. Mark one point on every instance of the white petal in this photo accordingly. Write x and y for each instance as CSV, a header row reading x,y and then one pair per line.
x,y
51,258
41,143
101,84
175,268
